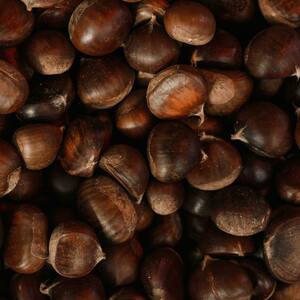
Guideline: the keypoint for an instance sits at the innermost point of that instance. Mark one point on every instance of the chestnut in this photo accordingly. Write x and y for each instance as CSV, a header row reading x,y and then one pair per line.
x,y
10,168
30,4
286,291
105,122
145,216
267,88
82,146
106,205
219,167
128,166
167,89
132,116
14,88
210,280
165,198
99,27
74,249
240,211
16,22
253,125
273,53
190,22
128,293
46,59
38,144
28,254
110,81
161,275
173,150
121,265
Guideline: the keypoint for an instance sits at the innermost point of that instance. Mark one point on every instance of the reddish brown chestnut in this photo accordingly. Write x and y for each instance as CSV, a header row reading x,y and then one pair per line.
x,y
128,293
98,27
106,205
26,246
30,4
286,291
145,216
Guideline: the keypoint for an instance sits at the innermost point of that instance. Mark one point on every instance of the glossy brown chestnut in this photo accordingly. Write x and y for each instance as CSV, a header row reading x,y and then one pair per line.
x,y
106,205
16,22
106,123
74,249
190,22
281,246
210,280
286,291
267,88
30,4
253,125
121,265
227,91
173,150
128,166
241,211
26,245
128,293
46,59
145,216
14,88
38,144
88,288
98,27
132,117
82,146
274,53
220,166
110,80
165,198
161,272
167,89
223,51
10,168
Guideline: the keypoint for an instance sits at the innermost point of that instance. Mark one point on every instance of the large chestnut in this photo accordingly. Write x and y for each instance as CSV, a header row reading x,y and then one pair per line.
x,y
104,82
106,205
128,293
173,150
26,245
98,27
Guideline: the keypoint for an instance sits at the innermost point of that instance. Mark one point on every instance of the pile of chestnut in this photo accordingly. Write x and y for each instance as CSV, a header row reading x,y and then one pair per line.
x,y
150,149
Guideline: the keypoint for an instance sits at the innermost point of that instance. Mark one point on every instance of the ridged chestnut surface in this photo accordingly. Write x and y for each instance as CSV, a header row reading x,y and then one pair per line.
x,y
106,205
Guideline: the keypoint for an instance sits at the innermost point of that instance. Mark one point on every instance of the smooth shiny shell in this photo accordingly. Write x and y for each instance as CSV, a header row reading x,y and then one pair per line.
x,y
241,211
173,150
128,166
74,249
168,89
145,216
26,245
38,144
14,88
104,82
98,27
190,22
106,205
30,4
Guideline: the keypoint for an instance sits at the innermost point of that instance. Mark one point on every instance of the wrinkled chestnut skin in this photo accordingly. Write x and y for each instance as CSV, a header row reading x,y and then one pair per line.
x,y
128,293
98,27
26,246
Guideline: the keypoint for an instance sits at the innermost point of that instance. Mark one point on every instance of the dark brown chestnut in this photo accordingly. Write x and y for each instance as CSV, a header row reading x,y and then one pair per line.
x,y
26,245
16,22
210,280
128,166
253,125
10,168
38,144
121,265
110,80
98,27
286,291
267,88
30,4
190,22
165,198
145,216
161,275
14,88
88,288
240,211
220,166
132,117
106,205
173,150
46,59
106,123
82,146
274,53
128,293
74,249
